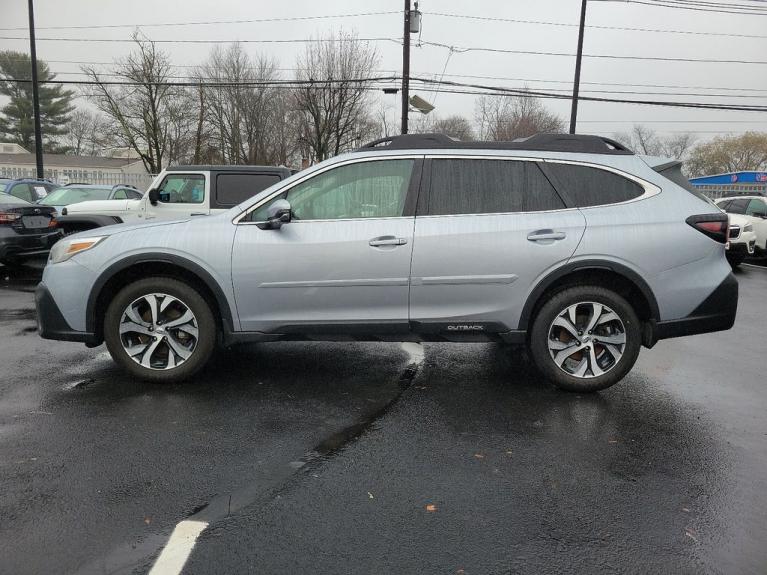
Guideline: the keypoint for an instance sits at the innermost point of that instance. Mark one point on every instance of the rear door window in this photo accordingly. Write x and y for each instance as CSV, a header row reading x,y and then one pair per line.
x,y
233,189
756,207
469,186
23,192
586,186
738,206
120,195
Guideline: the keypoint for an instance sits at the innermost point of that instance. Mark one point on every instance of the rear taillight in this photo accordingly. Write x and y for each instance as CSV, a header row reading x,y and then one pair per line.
x,y
8,217
715,226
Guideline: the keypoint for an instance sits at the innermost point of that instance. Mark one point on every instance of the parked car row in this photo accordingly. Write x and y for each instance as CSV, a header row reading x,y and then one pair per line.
x,y
29,209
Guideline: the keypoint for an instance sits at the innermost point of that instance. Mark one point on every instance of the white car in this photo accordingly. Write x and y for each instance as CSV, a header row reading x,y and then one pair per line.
x,y
754,210
742,239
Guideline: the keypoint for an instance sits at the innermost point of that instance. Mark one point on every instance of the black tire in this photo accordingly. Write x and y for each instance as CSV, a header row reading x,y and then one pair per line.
x,y
735,259
560,301
191,298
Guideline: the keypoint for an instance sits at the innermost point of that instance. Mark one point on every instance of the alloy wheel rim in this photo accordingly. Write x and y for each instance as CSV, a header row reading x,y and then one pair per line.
x,y
586,340
158,331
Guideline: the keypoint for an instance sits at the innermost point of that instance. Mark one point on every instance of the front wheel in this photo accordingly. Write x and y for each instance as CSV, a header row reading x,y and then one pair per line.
x,y
160,329
585,338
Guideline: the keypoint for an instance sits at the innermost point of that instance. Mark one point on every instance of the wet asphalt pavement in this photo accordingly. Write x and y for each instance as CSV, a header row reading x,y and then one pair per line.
x,y
360,458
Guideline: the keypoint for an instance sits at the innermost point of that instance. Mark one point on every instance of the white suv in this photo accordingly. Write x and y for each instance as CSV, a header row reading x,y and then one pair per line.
x,y
754,211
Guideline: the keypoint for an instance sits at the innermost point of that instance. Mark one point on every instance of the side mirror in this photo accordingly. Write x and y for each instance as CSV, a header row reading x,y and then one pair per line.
x,y
762,215
153,196
277,214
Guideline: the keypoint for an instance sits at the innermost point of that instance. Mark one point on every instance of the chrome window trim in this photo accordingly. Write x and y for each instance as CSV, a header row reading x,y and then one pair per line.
x,y
237,219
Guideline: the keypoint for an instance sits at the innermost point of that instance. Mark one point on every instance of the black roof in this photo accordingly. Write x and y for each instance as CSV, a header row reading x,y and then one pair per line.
x,y
539,142
209,168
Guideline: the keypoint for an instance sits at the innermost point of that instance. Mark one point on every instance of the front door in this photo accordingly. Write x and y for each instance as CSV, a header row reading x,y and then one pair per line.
x,y
181,195
342,264
486,230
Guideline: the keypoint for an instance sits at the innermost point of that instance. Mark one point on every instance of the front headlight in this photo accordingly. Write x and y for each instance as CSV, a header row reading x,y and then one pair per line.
x,y
66,248
748,228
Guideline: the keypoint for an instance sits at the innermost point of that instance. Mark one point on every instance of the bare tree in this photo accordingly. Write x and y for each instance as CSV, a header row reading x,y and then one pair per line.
x,y
140,114
455,126
503,118
333,107
246,115
87,134
644,140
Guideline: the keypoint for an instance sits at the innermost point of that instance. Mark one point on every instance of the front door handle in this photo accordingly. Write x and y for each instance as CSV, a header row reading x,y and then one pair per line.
x,y
543,235
387,241
198,214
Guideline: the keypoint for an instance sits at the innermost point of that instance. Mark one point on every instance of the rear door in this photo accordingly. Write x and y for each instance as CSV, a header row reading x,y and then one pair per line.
x,y
342,264
232,188
485,231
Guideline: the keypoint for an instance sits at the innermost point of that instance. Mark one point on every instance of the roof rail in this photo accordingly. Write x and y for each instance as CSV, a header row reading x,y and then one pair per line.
x,y
539,142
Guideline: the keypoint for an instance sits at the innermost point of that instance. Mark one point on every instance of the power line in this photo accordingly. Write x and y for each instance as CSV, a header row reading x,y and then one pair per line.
x,y
594,26
209,22
398,41
458,88
604,56
197,79
668,4
198,41
473,76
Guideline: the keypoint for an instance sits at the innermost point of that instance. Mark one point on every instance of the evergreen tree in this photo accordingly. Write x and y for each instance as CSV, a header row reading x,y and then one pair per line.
x,y
17,122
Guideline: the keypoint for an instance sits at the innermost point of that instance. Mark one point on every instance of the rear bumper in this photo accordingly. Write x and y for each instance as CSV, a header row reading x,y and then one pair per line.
x,y
19,246
716,313
51,323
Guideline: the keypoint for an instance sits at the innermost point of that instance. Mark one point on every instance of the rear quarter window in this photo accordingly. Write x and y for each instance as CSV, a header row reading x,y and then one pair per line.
x,y
585,186
233,189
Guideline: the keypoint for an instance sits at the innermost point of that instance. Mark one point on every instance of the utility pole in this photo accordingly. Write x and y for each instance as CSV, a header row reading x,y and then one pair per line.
x,y
405,68
578,58
35,94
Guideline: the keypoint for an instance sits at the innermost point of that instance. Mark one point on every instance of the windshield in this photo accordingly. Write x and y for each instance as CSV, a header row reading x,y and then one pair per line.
x,y
73,195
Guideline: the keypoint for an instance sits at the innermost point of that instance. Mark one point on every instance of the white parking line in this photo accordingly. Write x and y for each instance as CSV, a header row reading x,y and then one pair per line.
x,y
173,557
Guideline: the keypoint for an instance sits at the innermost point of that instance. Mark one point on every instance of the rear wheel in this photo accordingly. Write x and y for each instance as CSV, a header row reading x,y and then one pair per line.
x,y
585,338
160,329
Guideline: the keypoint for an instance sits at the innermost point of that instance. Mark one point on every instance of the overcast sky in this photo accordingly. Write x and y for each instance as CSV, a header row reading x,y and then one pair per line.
x,y
728,81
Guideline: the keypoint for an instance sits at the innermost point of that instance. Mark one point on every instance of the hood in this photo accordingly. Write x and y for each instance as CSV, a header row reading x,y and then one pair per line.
x,y
101,206
119,228
738,220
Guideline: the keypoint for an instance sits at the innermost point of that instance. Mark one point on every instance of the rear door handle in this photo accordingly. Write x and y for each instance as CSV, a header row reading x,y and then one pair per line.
x,y
198,214
542,235
387,241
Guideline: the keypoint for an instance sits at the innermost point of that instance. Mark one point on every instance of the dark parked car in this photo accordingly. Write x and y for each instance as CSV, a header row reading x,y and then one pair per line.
x,y
26,229
76,193
28,189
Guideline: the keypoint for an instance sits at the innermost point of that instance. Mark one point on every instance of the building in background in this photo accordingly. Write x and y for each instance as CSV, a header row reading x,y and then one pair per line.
x,y
16,162
732,184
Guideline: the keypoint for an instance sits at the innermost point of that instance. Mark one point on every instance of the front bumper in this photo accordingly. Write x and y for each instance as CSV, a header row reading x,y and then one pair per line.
x,y
716,313
51,324
20,246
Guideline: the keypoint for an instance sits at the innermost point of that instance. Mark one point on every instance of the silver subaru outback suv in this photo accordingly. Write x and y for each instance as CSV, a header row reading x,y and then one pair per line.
x,y
570,245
